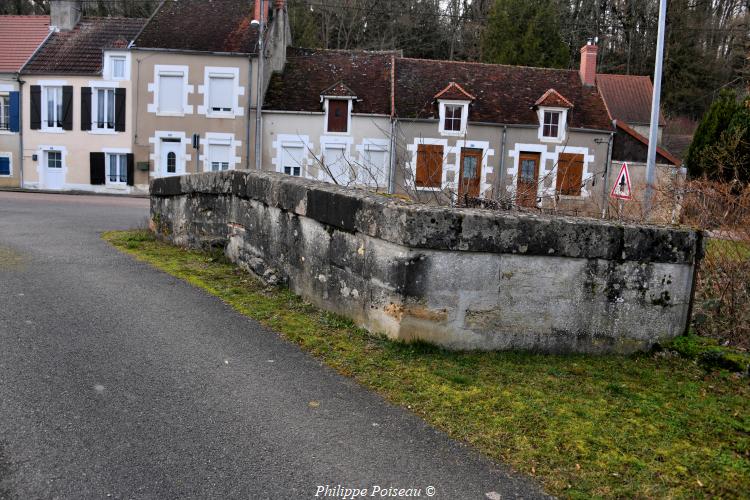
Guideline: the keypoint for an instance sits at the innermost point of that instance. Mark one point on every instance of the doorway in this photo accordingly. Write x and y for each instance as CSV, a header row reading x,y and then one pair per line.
x,y
172,161
528,179
470,174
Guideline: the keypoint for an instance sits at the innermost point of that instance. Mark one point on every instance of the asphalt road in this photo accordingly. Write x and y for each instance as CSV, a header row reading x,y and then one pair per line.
x,y
119,381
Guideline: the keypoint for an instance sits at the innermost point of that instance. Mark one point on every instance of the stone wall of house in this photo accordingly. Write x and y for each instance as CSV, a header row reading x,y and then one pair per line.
x,y
460,278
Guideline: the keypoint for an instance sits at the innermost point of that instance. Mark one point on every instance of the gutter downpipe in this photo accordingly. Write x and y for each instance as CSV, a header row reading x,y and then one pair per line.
x,y
20,131
258,89
607,165
501,177
392,145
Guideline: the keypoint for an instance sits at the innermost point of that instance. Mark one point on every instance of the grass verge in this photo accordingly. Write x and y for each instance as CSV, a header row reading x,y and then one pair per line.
x,y
616,426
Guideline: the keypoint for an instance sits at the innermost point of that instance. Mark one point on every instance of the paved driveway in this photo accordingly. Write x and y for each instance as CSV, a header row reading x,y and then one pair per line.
x,y
119,381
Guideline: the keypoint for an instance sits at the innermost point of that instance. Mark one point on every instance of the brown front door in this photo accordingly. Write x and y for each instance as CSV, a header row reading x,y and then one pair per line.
x,y
471,172
528,179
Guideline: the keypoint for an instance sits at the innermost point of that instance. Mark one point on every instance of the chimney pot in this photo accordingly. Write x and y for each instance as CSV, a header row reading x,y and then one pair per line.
x,y
588,63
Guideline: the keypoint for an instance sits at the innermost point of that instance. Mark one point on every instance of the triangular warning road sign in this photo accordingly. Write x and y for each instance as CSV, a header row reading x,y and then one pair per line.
x,y
622,189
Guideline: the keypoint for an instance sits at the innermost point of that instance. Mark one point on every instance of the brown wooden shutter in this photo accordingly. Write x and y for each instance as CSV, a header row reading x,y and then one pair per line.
x,y
569,174
67,117
338,111
36,107
429,165
85,108
119,110
97,168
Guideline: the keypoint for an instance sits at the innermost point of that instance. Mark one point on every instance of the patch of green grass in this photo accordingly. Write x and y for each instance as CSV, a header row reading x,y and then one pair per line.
x,y
718,249
648,426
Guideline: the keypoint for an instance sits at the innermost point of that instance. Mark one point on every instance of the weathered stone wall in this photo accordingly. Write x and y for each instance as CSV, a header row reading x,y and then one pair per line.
x,y
461,278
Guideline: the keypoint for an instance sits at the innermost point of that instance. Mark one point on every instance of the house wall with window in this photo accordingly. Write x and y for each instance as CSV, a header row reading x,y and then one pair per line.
x,y
78,132
354,149
181,94
10,141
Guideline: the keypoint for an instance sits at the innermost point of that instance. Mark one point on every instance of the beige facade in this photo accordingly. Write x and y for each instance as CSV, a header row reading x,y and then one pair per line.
x,y
181,94
56,159
10,142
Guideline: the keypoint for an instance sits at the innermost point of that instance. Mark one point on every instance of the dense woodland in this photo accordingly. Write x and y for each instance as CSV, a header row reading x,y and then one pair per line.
x,y
708,41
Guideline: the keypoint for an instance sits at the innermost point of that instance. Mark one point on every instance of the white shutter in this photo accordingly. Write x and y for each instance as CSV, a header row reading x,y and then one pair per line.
x,y
171,91
220,93
373,172
337,166
219,155
293,159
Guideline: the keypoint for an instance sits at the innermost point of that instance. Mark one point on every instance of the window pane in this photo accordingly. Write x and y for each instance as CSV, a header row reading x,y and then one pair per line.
x,y
113,168
110,93
123,168
170,93
100,108
4,112
58,101
221,93
118,67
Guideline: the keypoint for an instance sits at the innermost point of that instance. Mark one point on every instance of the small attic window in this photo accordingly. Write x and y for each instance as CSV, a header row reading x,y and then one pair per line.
x,y
551,125
453,117
338,116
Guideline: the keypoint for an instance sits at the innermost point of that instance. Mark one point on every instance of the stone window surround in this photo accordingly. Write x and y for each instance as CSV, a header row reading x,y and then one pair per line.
x,y
204,89
156,140
219,139
171,70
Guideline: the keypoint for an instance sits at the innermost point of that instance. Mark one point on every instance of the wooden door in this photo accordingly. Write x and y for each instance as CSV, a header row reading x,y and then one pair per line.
x,y
528,179
470,174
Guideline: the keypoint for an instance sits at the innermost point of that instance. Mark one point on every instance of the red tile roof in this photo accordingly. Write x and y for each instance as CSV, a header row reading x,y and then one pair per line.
x,y
308,72
201,26
504,94
553,98
19,38
79,51
454,91
628,97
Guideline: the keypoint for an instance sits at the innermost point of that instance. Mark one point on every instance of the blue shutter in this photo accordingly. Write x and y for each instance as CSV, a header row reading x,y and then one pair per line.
x,y
15,112
4,165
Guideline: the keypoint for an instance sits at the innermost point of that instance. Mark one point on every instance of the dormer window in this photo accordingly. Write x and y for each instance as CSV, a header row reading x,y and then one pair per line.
x,y
552,109
453,102
338,101
551,124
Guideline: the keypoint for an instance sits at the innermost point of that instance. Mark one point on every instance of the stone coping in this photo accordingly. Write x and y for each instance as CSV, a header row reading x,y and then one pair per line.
x,y
422,226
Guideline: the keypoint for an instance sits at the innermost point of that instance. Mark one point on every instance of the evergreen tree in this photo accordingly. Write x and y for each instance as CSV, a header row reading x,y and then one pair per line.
x,y
524,33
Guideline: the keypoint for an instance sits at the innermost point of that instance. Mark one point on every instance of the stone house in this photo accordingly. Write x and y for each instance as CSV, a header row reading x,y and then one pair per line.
x,y
77,123
195,71
20,37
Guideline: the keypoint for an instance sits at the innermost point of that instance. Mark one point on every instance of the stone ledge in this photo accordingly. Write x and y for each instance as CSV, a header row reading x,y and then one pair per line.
x,y
443,228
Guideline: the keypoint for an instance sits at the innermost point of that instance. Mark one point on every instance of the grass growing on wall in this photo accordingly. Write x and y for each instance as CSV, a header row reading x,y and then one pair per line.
x,y
640,426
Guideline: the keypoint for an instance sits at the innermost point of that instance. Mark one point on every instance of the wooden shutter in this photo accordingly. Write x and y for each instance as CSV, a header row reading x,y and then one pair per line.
x,y
15,111
429,165
35,95
569,174
98,169
67,117
119,110
338,111
131,170
85,108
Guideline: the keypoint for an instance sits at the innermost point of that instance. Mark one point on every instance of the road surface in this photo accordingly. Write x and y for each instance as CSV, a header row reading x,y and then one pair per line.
x,y
119,381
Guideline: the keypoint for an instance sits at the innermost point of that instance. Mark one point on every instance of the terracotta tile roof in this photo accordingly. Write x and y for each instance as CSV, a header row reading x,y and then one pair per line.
x,y
628,97
308,72
454,91
79,51
659,151
504,94
338,89
201,26
553,98
19,38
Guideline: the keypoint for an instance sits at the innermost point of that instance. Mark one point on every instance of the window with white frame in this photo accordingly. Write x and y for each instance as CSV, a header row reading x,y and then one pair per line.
x,y
218,154
220,93
104,104
117,64
52,109
292,159
373,171
453,117
54,159
336,166
5,169
4,112
117,168
171,92
551,124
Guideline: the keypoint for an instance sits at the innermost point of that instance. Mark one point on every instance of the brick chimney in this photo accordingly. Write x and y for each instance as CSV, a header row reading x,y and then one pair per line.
x,y
588,63
266,6
64,14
